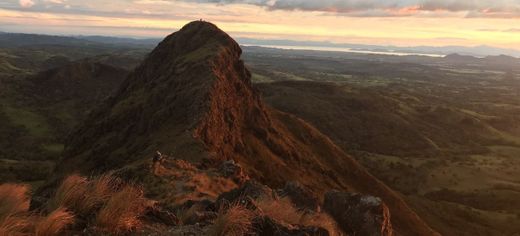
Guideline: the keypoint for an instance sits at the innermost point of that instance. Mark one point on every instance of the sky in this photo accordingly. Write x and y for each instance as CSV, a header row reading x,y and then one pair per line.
x,y
379,22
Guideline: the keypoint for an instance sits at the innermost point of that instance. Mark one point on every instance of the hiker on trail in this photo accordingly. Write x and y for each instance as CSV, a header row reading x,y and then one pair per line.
x,y
157,160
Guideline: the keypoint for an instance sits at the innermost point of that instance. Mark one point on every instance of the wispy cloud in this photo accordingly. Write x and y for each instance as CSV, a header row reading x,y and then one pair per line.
x,y
377,8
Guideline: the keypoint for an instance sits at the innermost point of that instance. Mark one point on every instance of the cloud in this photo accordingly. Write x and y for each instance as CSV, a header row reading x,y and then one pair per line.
x,y
26,3
368,8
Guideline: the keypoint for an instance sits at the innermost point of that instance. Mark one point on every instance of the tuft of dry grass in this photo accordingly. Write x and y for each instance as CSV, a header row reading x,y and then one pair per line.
x,y
234,221
283,211
83,196
123,211
15,226
14,199
70,194
54,223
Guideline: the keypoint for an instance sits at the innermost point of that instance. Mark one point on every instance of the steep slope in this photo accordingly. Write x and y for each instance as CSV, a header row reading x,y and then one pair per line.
x,y
192,97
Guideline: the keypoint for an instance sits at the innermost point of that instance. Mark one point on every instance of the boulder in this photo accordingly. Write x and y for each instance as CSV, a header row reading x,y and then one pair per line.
x,y
230,169
359,214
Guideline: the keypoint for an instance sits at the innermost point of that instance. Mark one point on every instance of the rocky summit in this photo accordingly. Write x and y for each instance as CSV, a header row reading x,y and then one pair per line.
x,y
192,100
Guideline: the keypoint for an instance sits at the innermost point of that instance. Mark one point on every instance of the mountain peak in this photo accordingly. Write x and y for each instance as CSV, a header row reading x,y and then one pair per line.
x,y
192,98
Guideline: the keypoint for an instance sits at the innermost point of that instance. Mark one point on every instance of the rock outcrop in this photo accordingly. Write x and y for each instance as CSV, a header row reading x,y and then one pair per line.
x,y
359,214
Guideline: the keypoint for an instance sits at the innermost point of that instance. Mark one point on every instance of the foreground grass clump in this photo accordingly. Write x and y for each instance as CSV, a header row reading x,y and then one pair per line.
x,y
105,204
233,221
14,225
283,211
122,212
54,223
14,199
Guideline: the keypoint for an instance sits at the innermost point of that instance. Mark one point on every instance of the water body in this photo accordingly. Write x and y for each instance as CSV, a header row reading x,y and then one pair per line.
x,y
350,50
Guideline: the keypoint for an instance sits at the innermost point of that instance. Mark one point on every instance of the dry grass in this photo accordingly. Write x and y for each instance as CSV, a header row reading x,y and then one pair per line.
x,y
54,223
14,199
283,211
235,221
322,220
122,212
70,194
104,202
83,196
15,226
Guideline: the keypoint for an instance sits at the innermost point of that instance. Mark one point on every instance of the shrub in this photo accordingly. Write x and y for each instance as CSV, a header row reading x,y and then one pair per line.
x,y
235,221
123,210
54,223
14,200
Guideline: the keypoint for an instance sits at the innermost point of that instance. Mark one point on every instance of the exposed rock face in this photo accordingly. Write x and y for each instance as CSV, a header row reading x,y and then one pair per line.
x,y
359,214
193,97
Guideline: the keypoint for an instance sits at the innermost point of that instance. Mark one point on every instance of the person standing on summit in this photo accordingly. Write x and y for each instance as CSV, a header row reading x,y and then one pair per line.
x,y
156,161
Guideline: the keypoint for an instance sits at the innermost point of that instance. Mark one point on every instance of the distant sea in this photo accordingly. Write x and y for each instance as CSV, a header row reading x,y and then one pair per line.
x,y
351,50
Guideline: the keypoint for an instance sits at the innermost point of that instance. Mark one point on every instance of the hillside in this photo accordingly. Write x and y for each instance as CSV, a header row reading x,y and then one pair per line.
x,y
37,111
192,98
454,160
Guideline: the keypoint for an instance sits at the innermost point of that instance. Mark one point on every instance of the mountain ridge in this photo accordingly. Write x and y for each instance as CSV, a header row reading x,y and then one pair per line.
x,y
193,97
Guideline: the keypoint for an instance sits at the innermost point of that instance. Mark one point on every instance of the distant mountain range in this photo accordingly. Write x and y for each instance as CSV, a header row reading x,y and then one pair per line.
x,y
478,51
18,39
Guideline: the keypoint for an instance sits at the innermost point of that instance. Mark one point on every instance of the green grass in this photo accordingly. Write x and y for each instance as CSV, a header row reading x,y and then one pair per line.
x,y
54,147
257,78
35,124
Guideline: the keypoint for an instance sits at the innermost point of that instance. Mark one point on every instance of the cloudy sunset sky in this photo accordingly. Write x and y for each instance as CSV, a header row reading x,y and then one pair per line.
x,y
382,22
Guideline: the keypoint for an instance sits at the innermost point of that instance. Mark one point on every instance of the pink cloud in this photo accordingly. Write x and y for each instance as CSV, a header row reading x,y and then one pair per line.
x,y
26,3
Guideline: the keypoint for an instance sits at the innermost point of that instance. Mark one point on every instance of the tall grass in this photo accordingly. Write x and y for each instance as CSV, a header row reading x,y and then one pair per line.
x,y
281,210
83,196
54,223
70,194
14,199
15,226
233,221
105,202
123,211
